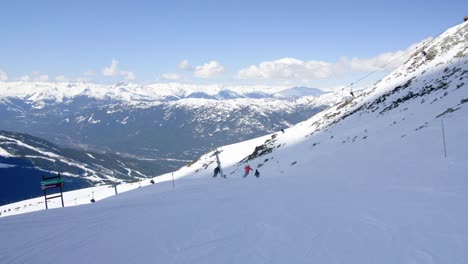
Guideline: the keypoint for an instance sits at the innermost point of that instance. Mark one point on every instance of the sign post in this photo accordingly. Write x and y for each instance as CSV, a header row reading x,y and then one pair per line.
x,y
173,186
49,183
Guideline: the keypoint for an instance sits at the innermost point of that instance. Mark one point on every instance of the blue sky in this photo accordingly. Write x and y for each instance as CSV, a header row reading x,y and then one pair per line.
x,y
229,42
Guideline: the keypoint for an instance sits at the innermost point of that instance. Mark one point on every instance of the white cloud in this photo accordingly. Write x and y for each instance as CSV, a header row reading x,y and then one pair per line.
x,y
372,64
3,75
89,73
185,65
294,69
87,76
25,78
43,78
112,69
287,68
36,76
61,78
171,76
209,69
83,79
128,75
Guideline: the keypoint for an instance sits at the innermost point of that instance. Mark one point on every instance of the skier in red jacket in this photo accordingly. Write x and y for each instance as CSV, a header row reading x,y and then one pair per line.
x,y
247,170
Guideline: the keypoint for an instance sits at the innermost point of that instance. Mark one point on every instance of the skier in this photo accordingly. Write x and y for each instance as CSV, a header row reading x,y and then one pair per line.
x,y
216,171
257,173
247,170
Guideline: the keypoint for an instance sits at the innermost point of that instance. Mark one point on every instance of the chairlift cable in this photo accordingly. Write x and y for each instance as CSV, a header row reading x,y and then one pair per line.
x,y
385,65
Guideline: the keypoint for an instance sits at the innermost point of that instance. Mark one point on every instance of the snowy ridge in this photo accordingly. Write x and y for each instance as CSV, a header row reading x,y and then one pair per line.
x,y
9,141
89,174
365,181
5,153
42,93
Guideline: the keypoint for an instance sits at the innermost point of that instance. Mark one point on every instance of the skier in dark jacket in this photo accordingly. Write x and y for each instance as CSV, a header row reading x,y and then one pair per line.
x,y
247,170
216,171
257,173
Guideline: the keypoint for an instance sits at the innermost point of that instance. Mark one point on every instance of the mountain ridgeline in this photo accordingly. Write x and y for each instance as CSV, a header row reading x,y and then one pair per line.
x,y
24,159
171,124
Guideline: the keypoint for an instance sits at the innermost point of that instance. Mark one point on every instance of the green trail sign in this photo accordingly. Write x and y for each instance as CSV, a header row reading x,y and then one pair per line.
x,y
49,183
52,181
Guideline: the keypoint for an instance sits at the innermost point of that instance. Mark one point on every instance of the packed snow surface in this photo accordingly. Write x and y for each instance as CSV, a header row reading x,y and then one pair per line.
x,y
342,209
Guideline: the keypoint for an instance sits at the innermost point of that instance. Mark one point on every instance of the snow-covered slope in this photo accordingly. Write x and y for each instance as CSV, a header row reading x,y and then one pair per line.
x,y
366,181
418,95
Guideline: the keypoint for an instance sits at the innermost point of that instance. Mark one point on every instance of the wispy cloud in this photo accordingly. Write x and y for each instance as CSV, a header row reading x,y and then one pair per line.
x,y
295,69
89,73
36,76
171,76
3,75
128,75
209,70
185,65
61,78
113,70
43,78
375,63
25,78
287,68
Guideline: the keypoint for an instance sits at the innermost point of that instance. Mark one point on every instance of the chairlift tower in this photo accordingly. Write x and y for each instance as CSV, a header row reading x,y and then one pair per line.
x,y
219,163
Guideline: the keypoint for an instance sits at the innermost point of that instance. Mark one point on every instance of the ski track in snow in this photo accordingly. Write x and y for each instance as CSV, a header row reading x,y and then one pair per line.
x,y
271,220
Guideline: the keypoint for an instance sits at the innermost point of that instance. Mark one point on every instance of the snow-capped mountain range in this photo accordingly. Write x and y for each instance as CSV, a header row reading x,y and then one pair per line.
x,y
378,178
171,123
41,93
